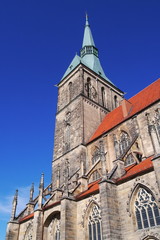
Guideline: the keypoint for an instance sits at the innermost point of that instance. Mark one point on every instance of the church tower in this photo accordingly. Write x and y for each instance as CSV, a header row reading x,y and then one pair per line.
x,y
105,170
85,96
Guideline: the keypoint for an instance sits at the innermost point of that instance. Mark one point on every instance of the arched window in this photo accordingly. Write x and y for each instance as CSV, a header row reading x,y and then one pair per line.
x,y
129,160
95,175
116,145
70,91
57,229
115,101
95,156
146,210
103,96
94,224
124,142
52,227
157,121
150,238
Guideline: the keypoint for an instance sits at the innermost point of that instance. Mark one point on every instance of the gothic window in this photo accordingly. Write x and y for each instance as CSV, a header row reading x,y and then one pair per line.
x,y
96,156
115,101
157,121
146,210
103,96
124,142
52,227
94,224
95,175
57,230
70,91
116,145
129,160
139,156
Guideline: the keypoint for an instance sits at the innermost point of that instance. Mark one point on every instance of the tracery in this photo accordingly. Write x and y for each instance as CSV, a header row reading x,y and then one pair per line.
x,y
146,210
94,224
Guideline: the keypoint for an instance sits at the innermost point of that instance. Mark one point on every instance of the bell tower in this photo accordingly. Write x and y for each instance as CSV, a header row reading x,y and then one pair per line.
x,y
85,96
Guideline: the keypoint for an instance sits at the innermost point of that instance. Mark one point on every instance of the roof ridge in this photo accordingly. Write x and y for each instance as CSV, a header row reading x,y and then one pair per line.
x,y
144,89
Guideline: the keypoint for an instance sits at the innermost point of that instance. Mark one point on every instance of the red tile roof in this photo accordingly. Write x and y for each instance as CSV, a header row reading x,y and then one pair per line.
x,y
134,170
131,172
93,188
26,218
51,205
140,101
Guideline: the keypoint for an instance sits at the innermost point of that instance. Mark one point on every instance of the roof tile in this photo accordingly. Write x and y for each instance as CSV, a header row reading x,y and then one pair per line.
x,y
140,101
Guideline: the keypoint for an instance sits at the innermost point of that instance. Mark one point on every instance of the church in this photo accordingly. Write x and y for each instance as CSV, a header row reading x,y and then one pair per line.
x,y
106,164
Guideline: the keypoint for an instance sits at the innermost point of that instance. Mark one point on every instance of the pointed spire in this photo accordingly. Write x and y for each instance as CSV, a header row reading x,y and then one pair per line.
x,y
31,193
87,39
14,205
87,23
41,185
41,188
88,55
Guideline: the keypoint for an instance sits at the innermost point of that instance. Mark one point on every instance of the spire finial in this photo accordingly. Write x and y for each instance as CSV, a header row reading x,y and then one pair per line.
x,y
41,188
87,23
14,205
31,193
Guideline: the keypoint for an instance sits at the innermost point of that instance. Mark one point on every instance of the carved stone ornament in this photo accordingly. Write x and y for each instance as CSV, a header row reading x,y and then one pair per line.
x,y
149,234
29,231
91,200
137,183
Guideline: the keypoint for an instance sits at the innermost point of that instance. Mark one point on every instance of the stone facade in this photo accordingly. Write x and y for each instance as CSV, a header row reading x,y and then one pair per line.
x,y
102,180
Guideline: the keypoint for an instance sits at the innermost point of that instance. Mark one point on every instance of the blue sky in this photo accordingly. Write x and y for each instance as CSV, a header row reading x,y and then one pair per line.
x,y
38,40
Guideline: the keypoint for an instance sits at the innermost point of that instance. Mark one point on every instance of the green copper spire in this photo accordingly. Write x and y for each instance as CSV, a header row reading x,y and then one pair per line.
x,y
87,39
88,55
89,52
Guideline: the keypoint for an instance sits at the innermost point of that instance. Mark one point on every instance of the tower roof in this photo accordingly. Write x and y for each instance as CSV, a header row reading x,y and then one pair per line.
x,y
87,38
88,55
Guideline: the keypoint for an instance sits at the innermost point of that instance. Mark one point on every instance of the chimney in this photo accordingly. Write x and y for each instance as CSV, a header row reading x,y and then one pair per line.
x,y
126,107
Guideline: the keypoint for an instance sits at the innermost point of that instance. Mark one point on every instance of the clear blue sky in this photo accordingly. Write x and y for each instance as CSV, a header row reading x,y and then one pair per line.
x,y
38,40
